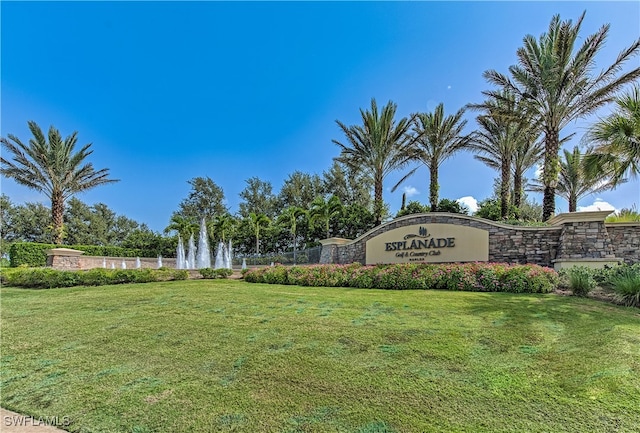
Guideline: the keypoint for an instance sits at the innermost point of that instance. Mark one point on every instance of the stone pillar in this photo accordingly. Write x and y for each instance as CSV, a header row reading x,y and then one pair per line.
x,y
64,259
329,253
584,240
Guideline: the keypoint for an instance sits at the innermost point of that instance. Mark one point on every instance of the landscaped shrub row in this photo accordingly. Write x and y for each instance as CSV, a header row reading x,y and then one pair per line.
x,y
209,273
47,278
35,254
477,277
623,280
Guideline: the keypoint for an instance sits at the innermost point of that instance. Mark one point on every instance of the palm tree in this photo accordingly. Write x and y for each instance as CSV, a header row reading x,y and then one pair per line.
x,y
257,221
53,168
438,137
527,155
616,138
224,226
377,148
183,226
323,210
556,81
507,143
289,217
575,182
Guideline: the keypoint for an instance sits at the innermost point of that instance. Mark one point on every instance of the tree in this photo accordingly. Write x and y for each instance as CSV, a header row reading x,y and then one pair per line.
x,y
556,82
30,222
257,221
205,200
289,218
323,211
616,138
52,167
445,205
96,224
258,198
504,142
224,227
183,226
438,138
352,187
413,207
354,221
377,148
300,189
151,243
575,181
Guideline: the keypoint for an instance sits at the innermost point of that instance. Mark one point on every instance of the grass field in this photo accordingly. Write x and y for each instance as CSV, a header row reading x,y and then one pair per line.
x,y
217,355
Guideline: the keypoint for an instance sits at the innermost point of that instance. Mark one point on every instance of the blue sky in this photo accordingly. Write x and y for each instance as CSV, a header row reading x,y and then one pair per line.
x,y
168,91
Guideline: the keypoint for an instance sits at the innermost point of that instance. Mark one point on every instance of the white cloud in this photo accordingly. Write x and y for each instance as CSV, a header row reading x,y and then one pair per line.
x,y
597,205
449,87
469,202
410,191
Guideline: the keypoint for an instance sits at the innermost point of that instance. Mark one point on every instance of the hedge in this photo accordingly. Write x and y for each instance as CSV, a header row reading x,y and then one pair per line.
x,y
47,278
478,277
35,254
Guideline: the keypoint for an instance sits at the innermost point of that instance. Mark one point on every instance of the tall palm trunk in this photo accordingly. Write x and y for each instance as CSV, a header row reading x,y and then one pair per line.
x,y
504,188
57,216
517,191
573,203
377,199
433,187
551,172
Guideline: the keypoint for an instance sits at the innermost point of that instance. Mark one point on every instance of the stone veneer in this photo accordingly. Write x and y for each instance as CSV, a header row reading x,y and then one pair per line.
x,y
625,239
73,260
574,238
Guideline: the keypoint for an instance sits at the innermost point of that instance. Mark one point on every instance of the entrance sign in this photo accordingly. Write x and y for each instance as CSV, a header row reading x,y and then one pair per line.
x,y
429,243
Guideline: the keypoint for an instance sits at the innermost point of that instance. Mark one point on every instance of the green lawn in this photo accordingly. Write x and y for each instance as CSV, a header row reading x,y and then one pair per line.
x,y
217,355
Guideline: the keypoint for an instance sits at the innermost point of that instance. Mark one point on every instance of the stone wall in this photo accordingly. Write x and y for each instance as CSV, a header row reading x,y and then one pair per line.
x,y
569,239
73,260
625,240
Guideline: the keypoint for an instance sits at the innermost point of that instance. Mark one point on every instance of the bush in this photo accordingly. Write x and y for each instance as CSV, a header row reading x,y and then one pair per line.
x,y
470,277
209,273
580,280
35,254
625,282
29,253
47,278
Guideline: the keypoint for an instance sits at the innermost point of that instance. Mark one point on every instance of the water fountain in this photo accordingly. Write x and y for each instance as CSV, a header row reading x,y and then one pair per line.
x,y
159,262
203,257
138,264
180,256
200,257
220,256
191,254
244,263
104,262
124,265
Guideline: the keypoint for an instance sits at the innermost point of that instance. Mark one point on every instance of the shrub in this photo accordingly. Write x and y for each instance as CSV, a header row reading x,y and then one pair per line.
x,y
35,254
29,253
209,273
625,282
47,278
580,280
470,277
179,274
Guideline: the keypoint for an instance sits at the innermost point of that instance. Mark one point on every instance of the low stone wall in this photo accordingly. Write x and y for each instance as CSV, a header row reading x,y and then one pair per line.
x,y
625,240
572,238
73,260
